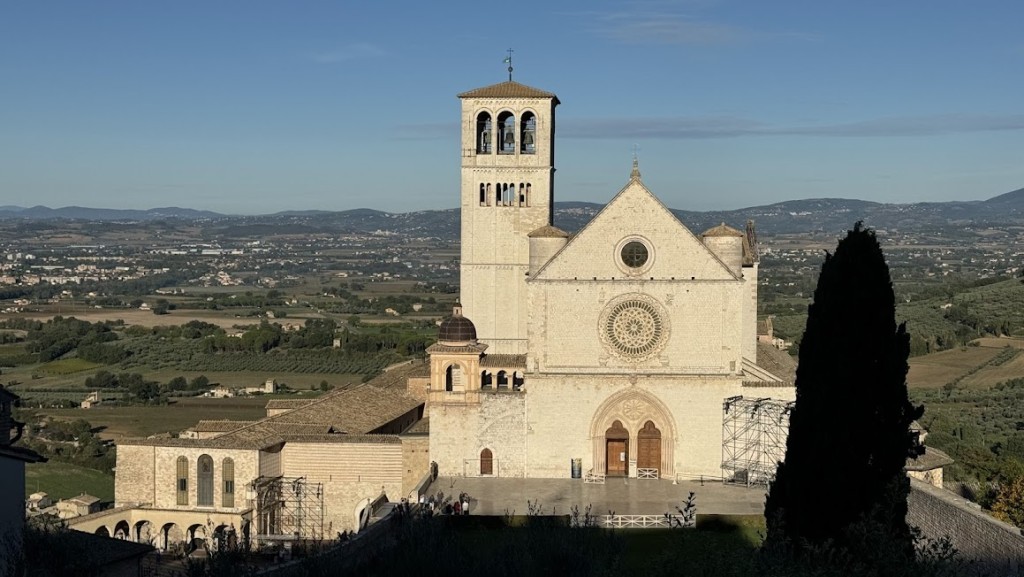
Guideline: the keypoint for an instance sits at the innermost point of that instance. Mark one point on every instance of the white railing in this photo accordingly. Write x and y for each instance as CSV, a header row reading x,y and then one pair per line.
x,y
645,473
592,477
633,521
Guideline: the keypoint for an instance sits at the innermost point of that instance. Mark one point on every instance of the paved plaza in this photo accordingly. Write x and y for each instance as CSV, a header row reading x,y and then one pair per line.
x,y
623,496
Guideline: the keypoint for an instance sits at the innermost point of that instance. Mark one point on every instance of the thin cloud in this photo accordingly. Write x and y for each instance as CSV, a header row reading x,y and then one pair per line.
x,y
678,128
668,29
356,51
674,27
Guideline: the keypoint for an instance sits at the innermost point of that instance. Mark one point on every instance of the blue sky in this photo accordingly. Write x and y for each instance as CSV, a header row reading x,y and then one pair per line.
x,y
260,106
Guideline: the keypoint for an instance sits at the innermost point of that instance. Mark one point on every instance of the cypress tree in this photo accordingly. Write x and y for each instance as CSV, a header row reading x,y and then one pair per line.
x,y
849,435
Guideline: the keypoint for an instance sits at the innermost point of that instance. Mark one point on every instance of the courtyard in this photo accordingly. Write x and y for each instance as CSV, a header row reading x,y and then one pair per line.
x,y
623,496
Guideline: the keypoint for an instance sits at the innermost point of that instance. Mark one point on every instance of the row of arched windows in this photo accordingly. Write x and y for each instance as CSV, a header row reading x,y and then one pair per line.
x,y
507,135
505,194
204,482
488,380
501,380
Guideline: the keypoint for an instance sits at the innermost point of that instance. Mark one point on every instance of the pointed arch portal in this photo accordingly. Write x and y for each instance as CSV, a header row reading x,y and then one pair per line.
x,y
633,427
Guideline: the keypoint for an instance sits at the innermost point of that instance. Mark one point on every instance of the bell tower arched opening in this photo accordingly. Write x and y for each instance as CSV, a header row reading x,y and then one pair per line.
x,y
507,136
528,133
484,131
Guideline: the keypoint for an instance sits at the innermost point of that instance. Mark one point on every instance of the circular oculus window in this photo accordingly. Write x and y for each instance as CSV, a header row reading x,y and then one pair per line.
x,y
634,254
634,329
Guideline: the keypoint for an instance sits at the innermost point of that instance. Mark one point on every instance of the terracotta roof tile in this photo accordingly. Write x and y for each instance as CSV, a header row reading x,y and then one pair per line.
x,y
388,439
776,362
439,348
219,426
346,415
504,361
358,410
931,459
287,403
509,89
722,230
548,232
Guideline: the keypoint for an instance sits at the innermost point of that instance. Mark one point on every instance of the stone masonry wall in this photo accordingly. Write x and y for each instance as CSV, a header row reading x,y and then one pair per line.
x,y
415,461
569,414
134,480
147,474
460,432
996,546
351,474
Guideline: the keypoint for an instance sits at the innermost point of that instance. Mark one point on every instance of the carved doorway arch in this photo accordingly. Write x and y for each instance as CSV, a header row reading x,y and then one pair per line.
x,y
632,409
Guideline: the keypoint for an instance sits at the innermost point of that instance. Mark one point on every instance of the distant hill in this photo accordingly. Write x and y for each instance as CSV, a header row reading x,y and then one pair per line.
x,y
83,213
828,215
1013,200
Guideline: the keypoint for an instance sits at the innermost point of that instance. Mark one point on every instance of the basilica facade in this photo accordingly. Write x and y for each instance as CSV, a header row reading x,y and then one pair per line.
x,y
616,351
611,352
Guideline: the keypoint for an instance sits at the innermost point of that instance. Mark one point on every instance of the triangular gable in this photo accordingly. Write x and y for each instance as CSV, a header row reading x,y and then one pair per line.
x,y
635,211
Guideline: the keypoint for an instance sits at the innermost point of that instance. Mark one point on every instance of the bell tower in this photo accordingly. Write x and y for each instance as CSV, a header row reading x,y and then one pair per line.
x,y
508,169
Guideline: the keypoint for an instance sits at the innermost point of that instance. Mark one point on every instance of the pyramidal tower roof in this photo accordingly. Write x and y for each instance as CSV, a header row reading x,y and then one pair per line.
x,y
508,89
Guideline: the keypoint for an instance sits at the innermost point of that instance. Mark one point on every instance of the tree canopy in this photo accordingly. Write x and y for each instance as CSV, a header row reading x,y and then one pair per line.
x,y
849,434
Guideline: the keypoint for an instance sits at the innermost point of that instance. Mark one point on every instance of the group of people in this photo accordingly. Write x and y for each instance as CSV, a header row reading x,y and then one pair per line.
x,y
441,506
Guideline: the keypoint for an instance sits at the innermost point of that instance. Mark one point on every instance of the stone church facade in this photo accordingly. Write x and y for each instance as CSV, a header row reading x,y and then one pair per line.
x,y
611,352
616,346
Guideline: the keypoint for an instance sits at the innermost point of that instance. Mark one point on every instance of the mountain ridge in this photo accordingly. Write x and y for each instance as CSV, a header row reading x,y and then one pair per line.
x,y
789,216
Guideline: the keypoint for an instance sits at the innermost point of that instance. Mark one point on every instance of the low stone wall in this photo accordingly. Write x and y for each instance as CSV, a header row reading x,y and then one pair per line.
x,y
995,546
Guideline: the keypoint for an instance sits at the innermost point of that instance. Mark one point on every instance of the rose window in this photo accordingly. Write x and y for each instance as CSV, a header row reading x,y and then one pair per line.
x,y
634,328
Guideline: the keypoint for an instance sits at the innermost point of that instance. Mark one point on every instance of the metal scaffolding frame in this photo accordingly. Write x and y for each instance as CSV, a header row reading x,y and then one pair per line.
x,y
287,508
753,439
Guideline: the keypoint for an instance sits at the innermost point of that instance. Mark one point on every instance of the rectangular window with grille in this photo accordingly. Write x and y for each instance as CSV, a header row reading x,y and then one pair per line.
x,y
182,484
227,496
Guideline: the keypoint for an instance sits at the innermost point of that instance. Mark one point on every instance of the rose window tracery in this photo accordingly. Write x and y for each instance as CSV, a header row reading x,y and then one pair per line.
x,y
634,328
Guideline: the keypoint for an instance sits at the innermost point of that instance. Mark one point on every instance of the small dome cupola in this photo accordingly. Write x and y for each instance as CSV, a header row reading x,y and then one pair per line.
x,y
544,243
727,243
457,330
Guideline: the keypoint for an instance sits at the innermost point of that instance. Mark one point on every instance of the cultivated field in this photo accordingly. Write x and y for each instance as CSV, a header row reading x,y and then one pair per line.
x,y
225,319
937,369
142,421
63,480
971,367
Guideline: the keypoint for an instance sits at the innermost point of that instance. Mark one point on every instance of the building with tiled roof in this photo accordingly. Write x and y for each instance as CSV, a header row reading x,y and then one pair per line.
x,y
240,473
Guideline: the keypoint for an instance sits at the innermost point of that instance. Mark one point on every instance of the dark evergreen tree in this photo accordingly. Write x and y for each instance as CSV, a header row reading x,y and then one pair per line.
x,y
842,482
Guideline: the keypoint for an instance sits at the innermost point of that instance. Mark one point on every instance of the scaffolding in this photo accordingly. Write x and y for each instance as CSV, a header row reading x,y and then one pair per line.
x,y
753,439
287,508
